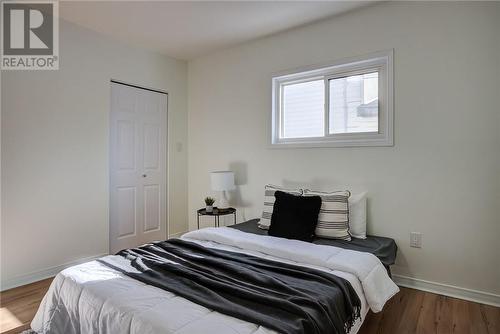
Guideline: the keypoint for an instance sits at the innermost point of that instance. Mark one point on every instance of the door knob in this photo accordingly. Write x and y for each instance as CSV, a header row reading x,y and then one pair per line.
x,y
144,175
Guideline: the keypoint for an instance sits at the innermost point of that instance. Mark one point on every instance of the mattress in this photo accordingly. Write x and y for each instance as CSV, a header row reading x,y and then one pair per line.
x,y
94,298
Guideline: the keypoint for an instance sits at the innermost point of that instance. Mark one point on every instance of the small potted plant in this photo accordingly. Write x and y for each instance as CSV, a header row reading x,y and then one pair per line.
x,y
209,201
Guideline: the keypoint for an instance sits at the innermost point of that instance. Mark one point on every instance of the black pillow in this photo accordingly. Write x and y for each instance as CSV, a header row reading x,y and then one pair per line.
x,y
294,217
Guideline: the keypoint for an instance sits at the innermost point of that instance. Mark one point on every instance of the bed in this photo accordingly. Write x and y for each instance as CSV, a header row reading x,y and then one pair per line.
x,y
97,298
385,249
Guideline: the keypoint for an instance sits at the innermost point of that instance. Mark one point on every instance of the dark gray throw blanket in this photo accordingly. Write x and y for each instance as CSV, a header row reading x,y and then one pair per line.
x,y
283,297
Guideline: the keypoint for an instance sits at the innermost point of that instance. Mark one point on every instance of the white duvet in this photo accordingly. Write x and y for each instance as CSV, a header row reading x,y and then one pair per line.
x,y
93,298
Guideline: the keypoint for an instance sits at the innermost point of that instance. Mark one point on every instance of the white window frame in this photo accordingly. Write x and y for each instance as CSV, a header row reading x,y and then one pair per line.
x,y
381,61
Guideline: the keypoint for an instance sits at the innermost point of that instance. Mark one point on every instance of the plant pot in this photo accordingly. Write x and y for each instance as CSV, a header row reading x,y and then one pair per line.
x,y
209,208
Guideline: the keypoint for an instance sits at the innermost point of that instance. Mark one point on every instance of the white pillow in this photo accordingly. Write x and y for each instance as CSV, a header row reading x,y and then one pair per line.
x,y
357,215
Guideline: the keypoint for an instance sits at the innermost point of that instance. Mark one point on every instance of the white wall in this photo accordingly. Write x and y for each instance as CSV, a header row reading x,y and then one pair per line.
x,y
55,151
442,177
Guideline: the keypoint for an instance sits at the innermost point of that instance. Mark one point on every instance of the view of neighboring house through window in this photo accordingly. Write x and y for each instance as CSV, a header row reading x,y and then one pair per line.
x,y
303,109
354,103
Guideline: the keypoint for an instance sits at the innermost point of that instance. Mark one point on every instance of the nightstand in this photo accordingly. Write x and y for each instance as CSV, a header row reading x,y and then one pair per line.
x,y
216,213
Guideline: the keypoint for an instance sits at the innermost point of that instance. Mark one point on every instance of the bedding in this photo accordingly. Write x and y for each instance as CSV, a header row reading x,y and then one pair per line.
x,y
294,217
333,219
354,225
267,210
357,215
94,298
287,298
385,249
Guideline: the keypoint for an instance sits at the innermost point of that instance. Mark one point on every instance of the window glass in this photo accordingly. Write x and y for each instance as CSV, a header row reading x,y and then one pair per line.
x,y
303,109
354,104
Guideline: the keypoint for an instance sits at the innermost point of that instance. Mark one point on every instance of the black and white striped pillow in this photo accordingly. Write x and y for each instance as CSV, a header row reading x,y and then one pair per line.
x,y
333,219
267,211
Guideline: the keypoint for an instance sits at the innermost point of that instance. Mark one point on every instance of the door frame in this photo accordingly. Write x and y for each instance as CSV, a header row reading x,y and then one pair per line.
x,y
167,189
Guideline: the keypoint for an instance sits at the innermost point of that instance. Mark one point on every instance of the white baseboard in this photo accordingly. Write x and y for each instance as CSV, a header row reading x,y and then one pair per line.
x,y
404,281
448,290
52,271
42,274
177,235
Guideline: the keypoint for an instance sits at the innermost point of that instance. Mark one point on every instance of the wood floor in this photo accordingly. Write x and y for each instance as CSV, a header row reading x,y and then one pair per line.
x,y
19,305
410,311
414,311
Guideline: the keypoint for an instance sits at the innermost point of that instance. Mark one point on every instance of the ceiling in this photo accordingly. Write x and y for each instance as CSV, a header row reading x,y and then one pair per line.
x,y
186,30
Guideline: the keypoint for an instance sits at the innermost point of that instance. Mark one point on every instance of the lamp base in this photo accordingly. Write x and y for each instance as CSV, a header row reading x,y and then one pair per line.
x,y
223,202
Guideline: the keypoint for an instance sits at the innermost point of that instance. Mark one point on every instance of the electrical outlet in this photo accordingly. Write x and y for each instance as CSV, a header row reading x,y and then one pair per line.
x,y
416,239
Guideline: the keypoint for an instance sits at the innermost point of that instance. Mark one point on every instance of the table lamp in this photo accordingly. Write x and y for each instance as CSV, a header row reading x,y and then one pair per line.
x,y
222,181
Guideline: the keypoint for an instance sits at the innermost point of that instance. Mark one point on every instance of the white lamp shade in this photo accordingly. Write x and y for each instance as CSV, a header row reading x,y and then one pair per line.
x,y
222,180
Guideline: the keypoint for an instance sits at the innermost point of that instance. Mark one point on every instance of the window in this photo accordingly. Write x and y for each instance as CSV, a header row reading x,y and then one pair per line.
x,y
303,109
345,104
354,104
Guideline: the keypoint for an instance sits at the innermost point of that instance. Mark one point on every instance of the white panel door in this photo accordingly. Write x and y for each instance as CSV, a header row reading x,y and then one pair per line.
x,y
138,167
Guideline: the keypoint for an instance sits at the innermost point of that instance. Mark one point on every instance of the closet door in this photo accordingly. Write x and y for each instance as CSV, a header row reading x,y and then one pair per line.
x,y
138,167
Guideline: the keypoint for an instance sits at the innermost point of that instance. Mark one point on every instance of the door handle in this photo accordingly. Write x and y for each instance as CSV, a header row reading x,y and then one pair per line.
x,y
144,175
